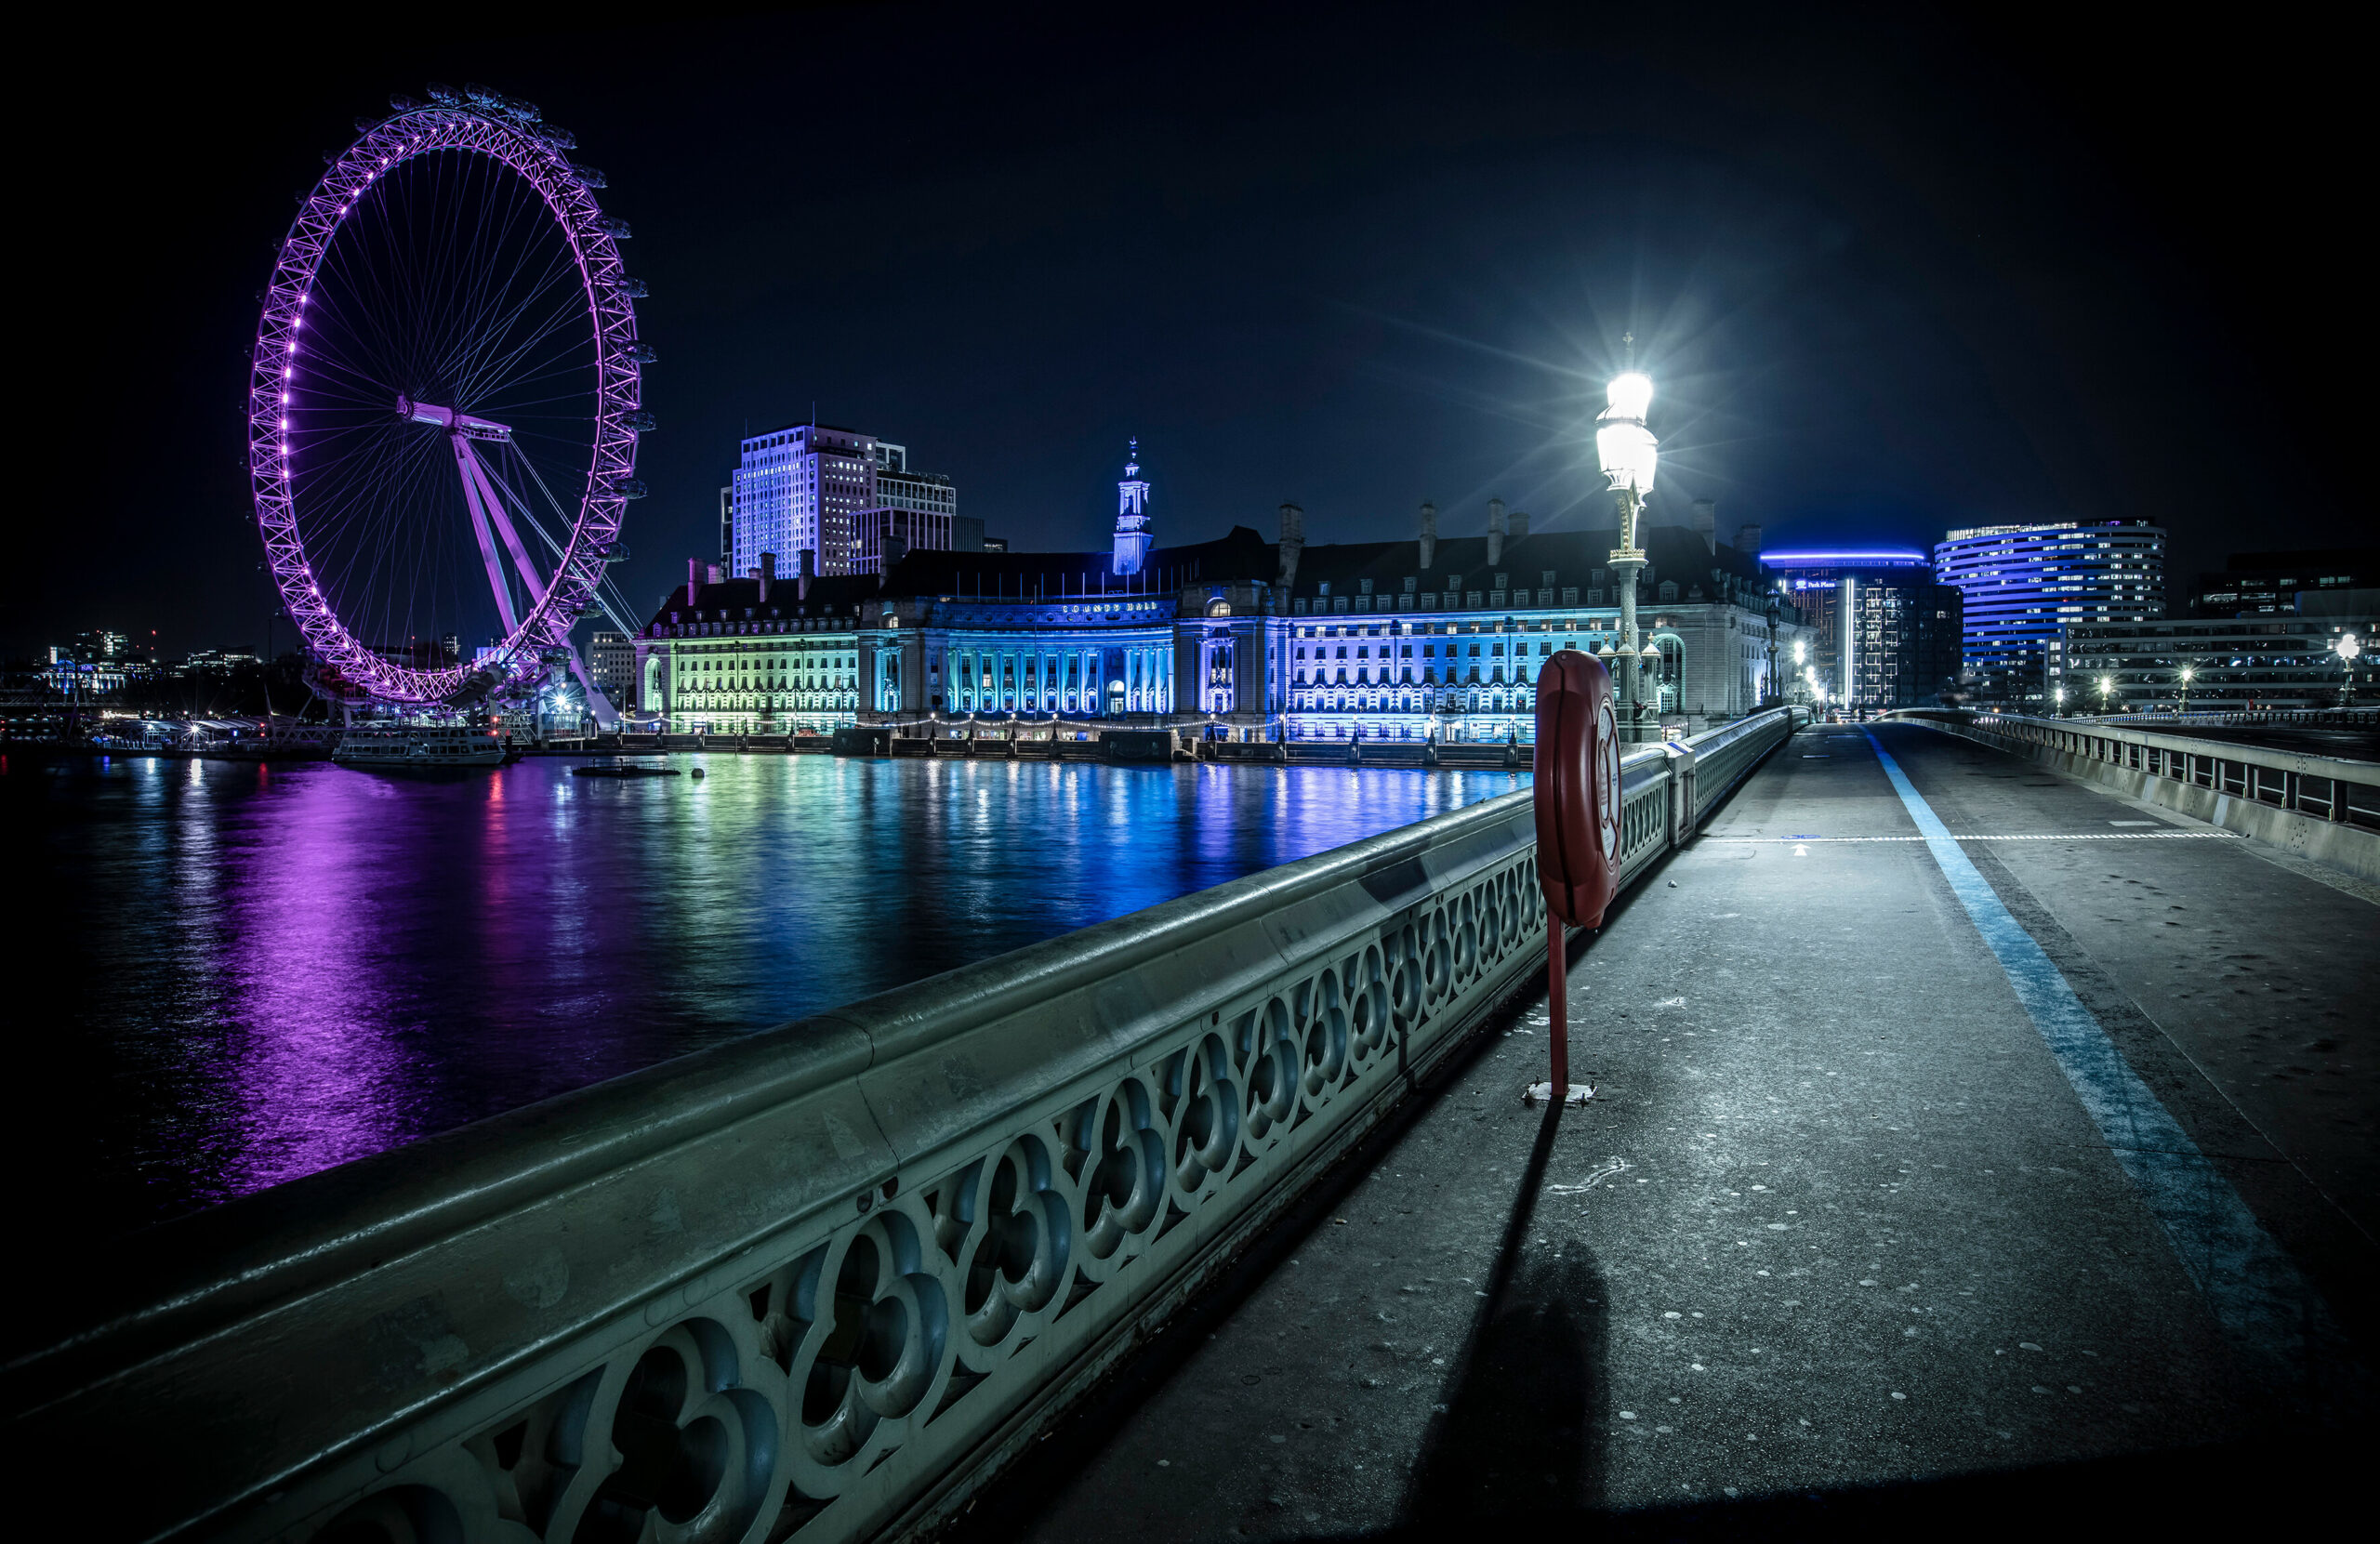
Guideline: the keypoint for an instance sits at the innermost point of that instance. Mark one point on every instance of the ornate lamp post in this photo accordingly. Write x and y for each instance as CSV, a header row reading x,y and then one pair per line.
x,y
2107,689
2346,648
1775,691
1629,453
2189,673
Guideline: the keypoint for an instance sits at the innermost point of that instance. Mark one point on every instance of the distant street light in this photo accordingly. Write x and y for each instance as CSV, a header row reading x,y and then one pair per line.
x,y
1629,454
2060,695
2346,648
2107,689
2189,674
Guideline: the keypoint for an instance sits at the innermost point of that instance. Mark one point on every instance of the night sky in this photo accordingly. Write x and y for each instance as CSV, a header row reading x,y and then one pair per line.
x,y
1891,274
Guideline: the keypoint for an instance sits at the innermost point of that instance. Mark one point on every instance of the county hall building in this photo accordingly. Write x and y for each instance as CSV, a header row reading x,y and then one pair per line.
x,y
1425,637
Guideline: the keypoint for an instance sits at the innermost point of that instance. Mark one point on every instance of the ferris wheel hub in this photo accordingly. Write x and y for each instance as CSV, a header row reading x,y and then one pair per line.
x,y
447,418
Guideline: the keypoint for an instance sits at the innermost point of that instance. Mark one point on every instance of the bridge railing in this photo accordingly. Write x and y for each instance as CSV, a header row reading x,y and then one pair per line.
x,y
816,1283
2326,787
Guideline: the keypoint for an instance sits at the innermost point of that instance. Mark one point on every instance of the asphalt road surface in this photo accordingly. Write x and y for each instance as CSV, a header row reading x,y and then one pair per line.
x,y
2026,1170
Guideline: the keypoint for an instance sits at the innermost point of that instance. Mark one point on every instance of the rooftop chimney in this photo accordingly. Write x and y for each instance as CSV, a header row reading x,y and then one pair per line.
x,y
1706,522
1748,540
716,575
1494,531
1428,535
1518,521
808,571
693,581
768,575
1292,546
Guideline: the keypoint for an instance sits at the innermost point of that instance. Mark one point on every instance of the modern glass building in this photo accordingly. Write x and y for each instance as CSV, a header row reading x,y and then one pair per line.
x,y
2024,584
1888,634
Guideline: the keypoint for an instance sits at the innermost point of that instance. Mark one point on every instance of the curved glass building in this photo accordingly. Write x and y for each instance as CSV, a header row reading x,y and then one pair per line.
x,y
2024,584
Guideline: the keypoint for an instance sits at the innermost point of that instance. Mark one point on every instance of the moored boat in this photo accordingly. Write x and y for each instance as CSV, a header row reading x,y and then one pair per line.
x,y
420,747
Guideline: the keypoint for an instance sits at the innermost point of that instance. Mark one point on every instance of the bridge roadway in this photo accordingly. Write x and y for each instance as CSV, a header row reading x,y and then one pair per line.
x,y
1839,1227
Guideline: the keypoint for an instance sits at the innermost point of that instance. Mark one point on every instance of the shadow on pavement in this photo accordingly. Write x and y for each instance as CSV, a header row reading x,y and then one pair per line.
x,y
1522,1432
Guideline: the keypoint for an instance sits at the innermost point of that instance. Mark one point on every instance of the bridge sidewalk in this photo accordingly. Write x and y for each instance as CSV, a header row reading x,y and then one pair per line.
x,y
1836,1218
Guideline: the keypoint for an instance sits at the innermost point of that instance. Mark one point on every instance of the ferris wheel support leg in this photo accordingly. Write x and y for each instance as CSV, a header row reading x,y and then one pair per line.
x,y
503,522
468,465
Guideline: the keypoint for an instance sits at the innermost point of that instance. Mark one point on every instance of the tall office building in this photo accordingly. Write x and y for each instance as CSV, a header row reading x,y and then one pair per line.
x,y
1888,633
2025,583
913,511
2270,584
800,489
838,494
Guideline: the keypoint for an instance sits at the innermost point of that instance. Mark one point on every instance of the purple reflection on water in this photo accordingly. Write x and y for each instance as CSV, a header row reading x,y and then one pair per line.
x,y
276,969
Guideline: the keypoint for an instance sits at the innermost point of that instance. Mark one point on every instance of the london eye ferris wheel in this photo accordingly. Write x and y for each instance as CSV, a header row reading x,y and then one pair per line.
x,y
444,406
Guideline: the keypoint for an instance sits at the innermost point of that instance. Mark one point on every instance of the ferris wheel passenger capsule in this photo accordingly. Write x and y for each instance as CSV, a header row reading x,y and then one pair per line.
x,y
641,421
613,226
634,289
590,176
629,487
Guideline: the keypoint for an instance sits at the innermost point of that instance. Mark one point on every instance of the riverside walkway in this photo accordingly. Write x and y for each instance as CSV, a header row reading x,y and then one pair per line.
x,y
2047,1144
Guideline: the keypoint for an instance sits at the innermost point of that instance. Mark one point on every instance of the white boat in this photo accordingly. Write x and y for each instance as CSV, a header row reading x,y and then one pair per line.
x,y
421,747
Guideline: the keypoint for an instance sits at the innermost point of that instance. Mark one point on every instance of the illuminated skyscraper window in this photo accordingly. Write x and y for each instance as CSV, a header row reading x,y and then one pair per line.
x,y
2024,583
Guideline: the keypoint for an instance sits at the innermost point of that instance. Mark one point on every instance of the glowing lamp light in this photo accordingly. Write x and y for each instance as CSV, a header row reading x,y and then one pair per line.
x,y
1624,446
2348,646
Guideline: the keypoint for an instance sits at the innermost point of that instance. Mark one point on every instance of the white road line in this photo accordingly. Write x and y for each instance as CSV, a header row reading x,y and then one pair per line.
x,y
2043,836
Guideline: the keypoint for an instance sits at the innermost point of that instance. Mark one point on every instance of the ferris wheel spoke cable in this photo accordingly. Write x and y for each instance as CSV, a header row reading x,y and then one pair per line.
x,y
607,595
521,360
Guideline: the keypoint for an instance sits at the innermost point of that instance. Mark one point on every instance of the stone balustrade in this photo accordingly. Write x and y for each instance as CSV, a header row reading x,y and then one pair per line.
x,y
2323,808
816,1283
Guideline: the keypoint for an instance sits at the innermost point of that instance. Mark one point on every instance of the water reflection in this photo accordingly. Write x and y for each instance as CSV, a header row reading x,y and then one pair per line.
x,y
276,969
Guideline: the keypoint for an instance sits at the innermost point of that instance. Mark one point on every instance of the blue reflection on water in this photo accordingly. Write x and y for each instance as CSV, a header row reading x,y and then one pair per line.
x,y
280,968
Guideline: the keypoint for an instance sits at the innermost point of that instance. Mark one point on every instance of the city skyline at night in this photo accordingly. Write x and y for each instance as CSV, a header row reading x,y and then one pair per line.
x,y
1876,314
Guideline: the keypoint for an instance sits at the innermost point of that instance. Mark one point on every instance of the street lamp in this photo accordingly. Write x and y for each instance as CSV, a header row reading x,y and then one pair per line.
x,y
2346,648
2189,674
2107,689
2060,695
1629,454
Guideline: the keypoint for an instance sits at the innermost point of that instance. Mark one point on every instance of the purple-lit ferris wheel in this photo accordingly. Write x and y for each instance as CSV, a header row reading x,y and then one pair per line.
x,y
443,414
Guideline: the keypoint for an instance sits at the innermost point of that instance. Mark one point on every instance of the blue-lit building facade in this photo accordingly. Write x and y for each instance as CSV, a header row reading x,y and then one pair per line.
x,y
1407,639
1887,633
2025,584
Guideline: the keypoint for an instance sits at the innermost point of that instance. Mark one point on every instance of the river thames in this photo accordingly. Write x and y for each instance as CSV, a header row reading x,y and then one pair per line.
x,y
232,975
